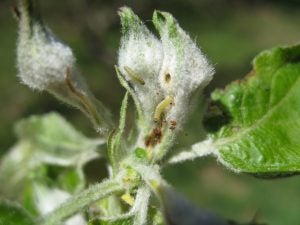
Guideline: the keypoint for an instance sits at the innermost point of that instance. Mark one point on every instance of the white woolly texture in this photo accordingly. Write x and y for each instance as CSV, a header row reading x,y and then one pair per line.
x,y
42,60
172,68
184,62
150,174
142,53
141,206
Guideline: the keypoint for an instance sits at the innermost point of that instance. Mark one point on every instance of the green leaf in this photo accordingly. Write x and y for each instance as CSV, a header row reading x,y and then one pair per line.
x,y
49,187
130,90
11,214
261,134
71,180
50,152
115,151
55,141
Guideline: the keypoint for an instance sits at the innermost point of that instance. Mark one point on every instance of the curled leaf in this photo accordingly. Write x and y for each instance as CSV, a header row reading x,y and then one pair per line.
x,y
262,135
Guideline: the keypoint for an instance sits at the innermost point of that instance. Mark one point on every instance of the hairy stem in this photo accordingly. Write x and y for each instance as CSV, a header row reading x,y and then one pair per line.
x,y
142,201
81,201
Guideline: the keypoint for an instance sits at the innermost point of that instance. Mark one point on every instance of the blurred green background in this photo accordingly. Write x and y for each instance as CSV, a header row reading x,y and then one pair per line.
x,y
230,33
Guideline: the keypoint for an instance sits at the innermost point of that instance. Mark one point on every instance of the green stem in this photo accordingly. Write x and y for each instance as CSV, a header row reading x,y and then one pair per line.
x,y
81,201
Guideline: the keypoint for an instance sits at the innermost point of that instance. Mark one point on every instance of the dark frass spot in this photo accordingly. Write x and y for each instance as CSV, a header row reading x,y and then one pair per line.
x,y
167,78
154,138
173,125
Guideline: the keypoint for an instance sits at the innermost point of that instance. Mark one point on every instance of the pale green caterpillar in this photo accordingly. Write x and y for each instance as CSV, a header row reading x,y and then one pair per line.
x,y
133,75
160,108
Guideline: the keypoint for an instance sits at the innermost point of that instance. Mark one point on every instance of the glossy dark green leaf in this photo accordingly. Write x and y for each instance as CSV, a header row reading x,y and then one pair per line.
x,y
262,116
11,214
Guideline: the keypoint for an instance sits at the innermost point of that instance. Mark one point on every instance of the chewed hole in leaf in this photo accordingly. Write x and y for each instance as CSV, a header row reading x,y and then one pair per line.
x,y
216,116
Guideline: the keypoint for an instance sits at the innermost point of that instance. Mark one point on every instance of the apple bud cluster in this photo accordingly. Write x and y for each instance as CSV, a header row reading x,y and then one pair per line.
x,y
47,64
42,59
164,72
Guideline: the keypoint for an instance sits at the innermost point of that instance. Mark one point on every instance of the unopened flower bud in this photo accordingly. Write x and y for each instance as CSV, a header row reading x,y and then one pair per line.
x,y
185,69
45,63
42,59
165,74
140,60
170,68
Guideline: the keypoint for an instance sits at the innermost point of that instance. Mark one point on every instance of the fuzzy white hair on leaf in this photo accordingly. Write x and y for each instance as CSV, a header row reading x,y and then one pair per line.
x,y
42,60
139,60
185,69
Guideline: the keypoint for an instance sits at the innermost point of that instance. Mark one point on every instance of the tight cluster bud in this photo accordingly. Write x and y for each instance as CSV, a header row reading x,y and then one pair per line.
x,y
42,59
165,72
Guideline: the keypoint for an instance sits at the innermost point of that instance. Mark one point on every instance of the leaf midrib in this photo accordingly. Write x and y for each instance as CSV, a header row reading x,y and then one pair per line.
x,y
224,141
